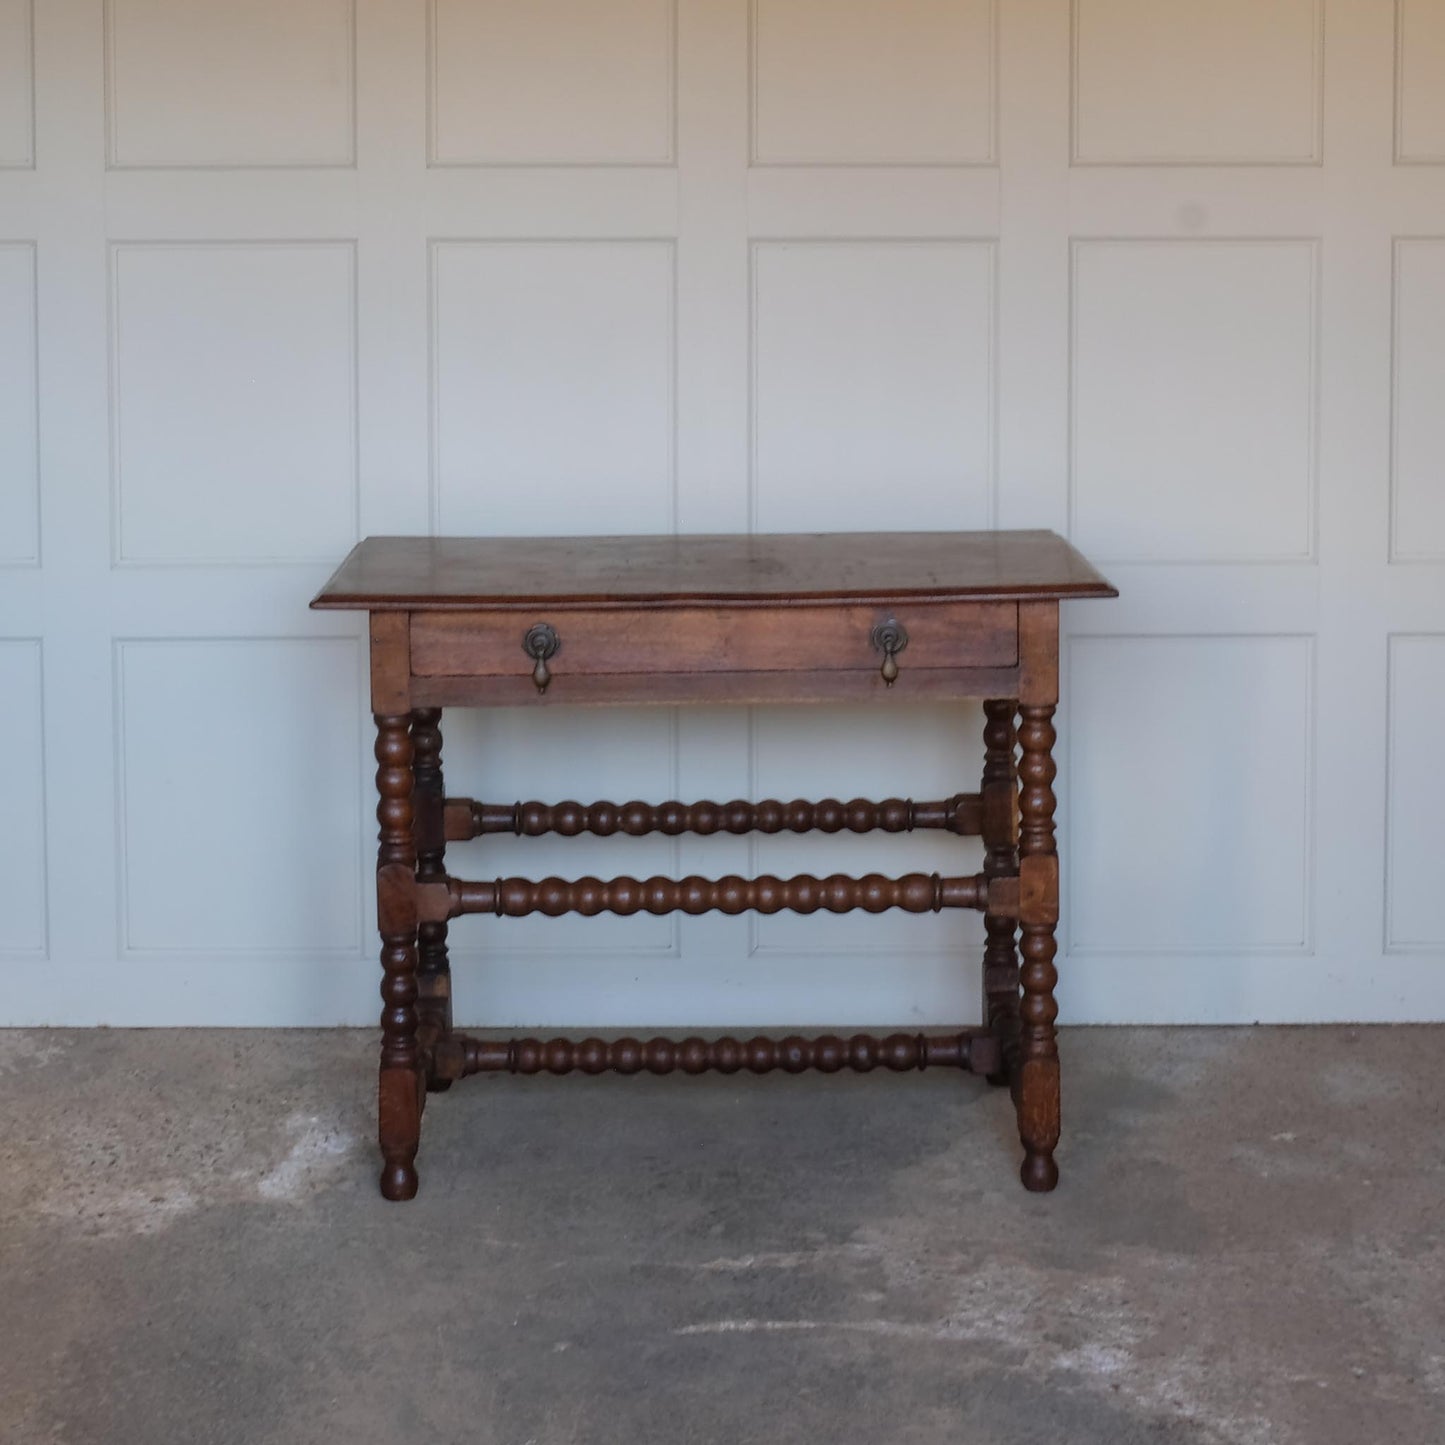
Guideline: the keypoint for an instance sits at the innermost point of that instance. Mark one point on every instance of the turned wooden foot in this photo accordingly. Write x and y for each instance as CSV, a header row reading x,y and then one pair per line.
x,y
398,1182
1039,1173
399,1130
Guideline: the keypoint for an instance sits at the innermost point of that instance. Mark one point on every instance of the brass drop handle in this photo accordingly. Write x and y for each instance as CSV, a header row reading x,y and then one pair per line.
x,y
540,643
889,638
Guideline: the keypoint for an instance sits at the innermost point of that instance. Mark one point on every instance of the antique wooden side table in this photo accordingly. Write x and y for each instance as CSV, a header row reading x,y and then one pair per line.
x,y
846,617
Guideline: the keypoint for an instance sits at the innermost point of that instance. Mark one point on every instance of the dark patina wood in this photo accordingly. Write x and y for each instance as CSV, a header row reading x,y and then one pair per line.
x,y
999,827
466,819
552,897
433,967
886,618
975,1050
764,638
463,573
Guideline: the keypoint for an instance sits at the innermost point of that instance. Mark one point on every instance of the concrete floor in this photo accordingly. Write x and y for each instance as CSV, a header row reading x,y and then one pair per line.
x,y
1246,1247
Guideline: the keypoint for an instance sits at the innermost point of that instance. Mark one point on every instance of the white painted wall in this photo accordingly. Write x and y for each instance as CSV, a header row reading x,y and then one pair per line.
x,y
1169,277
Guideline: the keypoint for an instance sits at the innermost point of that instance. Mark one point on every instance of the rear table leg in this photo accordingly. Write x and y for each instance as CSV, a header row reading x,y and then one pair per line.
x,y
1000,837
433,970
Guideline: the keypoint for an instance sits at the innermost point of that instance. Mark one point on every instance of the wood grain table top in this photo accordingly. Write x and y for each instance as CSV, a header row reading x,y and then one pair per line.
x,y
401,573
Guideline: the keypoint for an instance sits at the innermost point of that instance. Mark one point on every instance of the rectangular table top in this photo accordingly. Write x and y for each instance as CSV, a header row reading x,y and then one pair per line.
x,y
401,573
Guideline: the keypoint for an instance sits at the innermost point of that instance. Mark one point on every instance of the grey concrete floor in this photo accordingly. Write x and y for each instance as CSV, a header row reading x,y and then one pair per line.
x,y
1246,1247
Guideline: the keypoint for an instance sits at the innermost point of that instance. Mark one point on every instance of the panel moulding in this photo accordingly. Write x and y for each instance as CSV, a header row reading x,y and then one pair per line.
x,y
358,948
40,949
983,158
343,160
22,158
1308,552
437,244
664,157
119,557
32,557
1398,553
1402,155
1393,943
1069,843
760,243
1312,157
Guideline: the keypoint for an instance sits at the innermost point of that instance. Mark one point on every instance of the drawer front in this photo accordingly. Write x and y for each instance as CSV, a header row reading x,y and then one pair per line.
x,y
713,640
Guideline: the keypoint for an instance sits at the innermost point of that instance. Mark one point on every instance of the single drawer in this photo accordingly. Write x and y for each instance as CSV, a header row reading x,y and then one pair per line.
x,y
715,639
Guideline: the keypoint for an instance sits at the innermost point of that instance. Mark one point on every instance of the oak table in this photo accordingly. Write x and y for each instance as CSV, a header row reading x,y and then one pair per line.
x,y
889,618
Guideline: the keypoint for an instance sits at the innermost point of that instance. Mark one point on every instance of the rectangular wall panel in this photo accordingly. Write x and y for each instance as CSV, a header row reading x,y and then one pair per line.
x,y
1418,472
552,82
234,401
19,432
240,777
873,82
1174,82
1193,383
1190,781
17,84
213,83
1415,842
872,387
1420,82
553,380
22,799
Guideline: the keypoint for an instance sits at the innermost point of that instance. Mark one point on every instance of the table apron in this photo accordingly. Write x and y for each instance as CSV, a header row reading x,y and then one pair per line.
x,y
703,640
939,684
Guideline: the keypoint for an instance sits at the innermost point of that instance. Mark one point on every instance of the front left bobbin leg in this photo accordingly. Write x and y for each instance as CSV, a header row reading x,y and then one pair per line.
x,y
1000,840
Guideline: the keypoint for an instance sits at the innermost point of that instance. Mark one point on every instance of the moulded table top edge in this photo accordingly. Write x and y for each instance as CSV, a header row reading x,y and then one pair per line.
x,y
780,569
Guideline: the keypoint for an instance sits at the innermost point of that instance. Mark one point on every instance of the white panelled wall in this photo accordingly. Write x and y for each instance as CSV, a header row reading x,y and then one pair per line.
x,y
1166,276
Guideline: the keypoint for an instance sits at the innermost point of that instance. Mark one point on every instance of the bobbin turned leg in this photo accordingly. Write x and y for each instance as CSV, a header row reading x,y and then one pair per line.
x,y
1038,1071
400,1086
999,810
433,970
